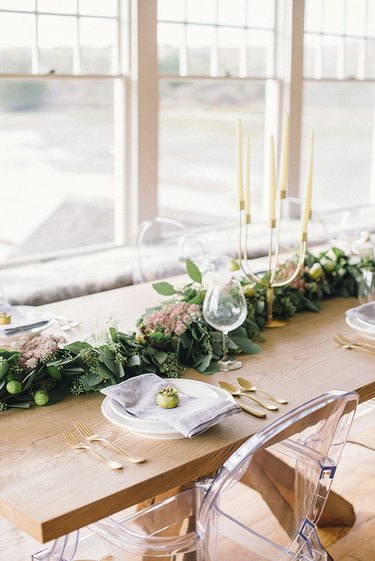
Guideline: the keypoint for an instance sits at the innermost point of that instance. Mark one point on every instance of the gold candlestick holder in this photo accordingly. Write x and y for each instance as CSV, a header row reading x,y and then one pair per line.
x,y
269,280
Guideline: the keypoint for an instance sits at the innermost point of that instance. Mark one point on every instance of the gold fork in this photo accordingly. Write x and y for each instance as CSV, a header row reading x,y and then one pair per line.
x,y
71,439
346,344
87,433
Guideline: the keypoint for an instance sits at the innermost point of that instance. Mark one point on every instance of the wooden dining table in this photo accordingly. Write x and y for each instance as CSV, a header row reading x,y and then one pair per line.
x,y
48,489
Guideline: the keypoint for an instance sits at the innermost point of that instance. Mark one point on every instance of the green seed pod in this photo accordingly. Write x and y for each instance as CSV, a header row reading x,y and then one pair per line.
x,y
41,398
14,387
54,372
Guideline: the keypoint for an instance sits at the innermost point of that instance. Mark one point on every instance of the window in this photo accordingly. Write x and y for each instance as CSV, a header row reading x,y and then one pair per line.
x,y
339,77
59,62
116,111
215,59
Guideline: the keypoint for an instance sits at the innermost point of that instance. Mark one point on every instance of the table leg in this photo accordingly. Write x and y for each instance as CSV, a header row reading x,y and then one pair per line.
x,y
275,481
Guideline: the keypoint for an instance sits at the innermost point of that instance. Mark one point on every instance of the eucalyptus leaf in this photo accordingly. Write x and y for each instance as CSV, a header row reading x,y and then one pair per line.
x,y
193,271
164,288
246,345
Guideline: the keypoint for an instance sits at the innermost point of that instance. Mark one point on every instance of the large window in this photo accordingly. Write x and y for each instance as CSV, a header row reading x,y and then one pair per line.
x,y
59,62
117,111
214,58
339,78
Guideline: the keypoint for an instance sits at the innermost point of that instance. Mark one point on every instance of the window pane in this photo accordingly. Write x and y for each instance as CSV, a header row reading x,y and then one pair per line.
x,y
370,59
199,39
231,13
201,12
56,40
333,20
356,17
98,42
171,10
197,166
343,151
57,6
313,15
229,51
371,19
260,53
25,5
98,7
16,37
169,41
330,52
261,13
56,161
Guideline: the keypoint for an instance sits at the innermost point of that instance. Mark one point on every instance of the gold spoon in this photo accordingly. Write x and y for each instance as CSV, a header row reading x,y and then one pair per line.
x,y
231,388
249,387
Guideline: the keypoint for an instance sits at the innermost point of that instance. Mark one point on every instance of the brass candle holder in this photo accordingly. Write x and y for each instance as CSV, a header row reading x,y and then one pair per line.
x,y
275,214
269,280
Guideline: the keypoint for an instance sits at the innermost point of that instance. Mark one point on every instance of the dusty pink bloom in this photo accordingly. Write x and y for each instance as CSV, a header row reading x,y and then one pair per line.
x,y
286,270
172,318
39,349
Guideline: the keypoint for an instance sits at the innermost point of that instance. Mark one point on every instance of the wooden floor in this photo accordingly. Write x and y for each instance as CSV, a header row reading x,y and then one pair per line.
x,y
355,480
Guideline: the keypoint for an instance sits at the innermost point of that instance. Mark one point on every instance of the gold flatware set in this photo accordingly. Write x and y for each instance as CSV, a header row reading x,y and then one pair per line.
x,y
345,343
89,436
244,386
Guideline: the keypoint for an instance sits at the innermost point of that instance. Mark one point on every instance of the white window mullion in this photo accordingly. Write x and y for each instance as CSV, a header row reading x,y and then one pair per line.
x,y
35,59
243,46
319,50
77,44
341,55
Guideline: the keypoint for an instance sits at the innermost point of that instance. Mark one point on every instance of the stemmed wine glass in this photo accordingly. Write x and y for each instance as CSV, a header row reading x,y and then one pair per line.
x,y
225,309
366,287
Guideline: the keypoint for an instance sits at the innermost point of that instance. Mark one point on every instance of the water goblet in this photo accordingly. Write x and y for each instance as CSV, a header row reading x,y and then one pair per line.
x,y
366,286
225,309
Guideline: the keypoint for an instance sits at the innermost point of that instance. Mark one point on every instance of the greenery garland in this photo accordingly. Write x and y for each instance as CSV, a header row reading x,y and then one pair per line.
x,y
169,337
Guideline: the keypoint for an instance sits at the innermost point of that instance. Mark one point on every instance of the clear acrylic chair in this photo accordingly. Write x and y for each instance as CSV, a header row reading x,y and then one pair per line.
x,y
157,249
263,503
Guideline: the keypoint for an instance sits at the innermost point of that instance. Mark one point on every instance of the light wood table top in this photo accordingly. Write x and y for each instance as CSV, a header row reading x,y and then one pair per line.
x,y
47,489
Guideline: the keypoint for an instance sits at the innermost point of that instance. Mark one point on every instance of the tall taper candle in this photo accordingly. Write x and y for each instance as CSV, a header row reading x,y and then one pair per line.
x,y
247,174
239,163
284,158
272,183
308,192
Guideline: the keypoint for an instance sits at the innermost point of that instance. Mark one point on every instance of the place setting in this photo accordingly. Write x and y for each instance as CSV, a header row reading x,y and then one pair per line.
x,y
18,321
361,318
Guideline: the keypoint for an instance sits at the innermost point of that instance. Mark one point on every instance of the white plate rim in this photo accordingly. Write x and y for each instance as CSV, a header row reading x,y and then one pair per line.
x,y
41,315
153,429
354,324
180,384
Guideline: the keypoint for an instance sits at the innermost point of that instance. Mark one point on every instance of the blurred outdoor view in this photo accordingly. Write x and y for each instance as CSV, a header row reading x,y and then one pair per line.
x,y
57,152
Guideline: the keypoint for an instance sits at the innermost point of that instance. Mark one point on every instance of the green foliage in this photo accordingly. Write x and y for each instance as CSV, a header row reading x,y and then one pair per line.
x,y
79,367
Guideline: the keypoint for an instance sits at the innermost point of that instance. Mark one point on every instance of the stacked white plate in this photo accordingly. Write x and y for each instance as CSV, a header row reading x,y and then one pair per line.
x,y
362,319
118,415
23,318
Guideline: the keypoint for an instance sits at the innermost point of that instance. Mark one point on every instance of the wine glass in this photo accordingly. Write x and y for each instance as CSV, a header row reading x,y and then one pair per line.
x,y
225,309
366,286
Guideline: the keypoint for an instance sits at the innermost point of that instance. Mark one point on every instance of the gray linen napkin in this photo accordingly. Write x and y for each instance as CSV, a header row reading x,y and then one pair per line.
x,y
365,313
192,416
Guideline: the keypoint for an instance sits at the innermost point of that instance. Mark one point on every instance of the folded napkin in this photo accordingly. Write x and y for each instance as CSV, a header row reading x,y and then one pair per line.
x,y
19,323
192,416
364,313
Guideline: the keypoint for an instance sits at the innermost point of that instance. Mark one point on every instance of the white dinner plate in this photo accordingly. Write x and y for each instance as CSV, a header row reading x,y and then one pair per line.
x,y
116,413
358,325
31,314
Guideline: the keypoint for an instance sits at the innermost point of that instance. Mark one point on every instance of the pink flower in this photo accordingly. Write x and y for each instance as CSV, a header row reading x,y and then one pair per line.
x,y
172,318
39,349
